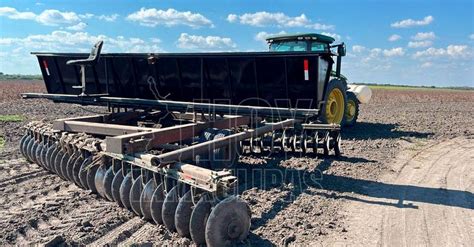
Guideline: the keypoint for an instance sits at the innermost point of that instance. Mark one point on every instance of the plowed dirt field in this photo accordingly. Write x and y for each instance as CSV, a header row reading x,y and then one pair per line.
x,y
406,178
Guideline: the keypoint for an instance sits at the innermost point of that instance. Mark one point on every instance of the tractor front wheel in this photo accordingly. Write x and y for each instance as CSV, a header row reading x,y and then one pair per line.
x,y
334,108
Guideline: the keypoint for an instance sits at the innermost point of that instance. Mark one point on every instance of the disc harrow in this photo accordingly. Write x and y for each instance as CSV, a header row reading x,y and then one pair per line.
x,y
176,175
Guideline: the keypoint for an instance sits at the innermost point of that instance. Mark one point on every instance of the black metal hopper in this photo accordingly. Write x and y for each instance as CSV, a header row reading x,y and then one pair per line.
x,y
266,79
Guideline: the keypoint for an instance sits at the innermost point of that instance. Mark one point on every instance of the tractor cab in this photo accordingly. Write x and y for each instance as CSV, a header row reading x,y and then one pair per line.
x,y
341,99
309,42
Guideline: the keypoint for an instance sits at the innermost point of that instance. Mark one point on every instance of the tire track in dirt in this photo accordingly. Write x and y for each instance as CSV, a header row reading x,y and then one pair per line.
x,y
37,187
120,233
23,177
430,202
77,220
141,236
395,227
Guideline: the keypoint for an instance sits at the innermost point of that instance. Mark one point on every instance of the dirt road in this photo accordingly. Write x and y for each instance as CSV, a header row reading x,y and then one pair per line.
x,y
428,201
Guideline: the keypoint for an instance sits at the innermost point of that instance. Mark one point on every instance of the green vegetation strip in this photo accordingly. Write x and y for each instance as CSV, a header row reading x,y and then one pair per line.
x,y
408,87
2,142
7,77
11,118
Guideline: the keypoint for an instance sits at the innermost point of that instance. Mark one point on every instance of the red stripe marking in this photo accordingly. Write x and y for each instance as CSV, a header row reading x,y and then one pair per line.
x,y
45,64
306,64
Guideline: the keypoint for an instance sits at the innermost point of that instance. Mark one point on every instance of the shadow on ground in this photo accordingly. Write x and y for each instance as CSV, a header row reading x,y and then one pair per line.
x,y
266,177
373,131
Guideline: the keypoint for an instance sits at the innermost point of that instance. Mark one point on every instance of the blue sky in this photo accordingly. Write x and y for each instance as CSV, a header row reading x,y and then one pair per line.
x,y
400,42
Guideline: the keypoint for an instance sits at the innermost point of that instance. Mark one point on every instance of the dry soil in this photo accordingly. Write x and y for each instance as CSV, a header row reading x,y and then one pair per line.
x,y
405,178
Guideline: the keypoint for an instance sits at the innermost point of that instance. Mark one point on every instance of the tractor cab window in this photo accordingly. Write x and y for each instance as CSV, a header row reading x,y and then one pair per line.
x,y
317,46
288,46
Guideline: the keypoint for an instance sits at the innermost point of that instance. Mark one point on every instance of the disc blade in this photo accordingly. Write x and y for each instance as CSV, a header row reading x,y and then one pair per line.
x,y
57,163
135,194
23,141
91,177
108,178
83,172
76,169
156,204
43,152
34,147
145,198
115,187
63,165
37,153
183,214
169,208
29,148
125,188
70,167
197,223
99,180
228,222
52,158
47,157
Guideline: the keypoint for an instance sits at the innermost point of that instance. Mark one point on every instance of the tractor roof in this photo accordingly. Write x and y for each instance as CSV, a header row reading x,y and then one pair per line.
x,y
311,36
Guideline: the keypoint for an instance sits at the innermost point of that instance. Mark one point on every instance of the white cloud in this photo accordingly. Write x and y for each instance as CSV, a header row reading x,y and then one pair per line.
x,y
78,27
412,23
453,51
263,19
195,42
86,16
419,44
53,17
171,17
394,37
426,65
65,41
232,18
394,52
377,54
14,14
262,36
108,18
358,48
424,36
336,36
471,36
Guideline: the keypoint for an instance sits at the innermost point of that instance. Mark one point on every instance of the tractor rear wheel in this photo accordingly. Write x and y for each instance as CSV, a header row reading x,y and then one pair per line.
x,y
334,108
352,109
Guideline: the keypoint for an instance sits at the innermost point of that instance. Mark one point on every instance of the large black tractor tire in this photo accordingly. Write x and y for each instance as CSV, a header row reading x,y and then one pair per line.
x,y
335,98
352,109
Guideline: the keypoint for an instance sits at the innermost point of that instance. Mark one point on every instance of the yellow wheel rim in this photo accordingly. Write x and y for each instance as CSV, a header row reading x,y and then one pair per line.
x,y
350,110
335,106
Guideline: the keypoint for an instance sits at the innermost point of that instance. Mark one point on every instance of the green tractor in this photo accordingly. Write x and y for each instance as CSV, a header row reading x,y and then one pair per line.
x,y
341,100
